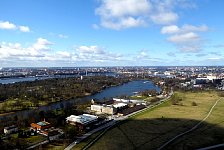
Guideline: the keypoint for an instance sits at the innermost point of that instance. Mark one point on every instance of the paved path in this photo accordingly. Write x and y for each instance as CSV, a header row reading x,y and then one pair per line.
x,y
212,147
193,128
38,144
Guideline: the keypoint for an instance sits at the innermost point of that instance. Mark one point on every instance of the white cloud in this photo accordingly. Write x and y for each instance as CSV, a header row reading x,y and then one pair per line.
x,y
96,54
123,23
170,29
62,36
64,54
190,48
187,28
6,25
186,42
184,38
95,26
121,14
24,29
42,44
171,54
165,18
14,52
121,8
214,58
115,13
90,50
142,55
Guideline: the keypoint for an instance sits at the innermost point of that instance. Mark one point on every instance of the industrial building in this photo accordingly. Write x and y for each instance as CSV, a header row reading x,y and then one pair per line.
x,y
107,109
84,119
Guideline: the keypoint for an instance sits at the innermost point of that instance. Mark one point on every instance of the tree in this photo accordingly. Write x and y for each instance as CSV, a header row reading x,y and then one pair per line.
x,y
194,104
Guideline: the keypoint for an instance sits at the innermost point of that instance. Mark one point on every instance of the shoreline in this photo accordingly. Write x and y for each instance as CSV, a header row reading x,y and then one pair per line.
x,y
70,99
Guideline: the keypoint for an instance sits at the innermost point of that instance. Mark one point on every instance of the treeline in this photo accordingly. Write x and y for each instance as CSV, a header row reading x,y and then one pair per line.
x,y
51,90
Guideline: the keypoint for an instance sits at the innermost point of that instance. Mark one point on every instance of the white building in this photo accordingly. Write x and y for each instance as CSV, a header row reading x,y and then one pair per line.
x,y
107,109
120,105
10,129
97,108
121,100
167,73
211,77
83,119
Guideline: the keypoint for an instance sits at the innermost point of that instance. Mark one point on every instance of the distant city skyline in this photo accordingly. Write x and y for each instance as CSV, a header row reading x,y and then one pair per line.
x,y
53,33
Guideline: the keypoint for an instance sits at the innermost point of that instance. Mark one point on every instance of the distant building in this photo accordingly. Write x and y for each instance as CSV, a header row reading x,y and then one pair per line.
x,y
201,81
10,129
167,73
40,125
211,77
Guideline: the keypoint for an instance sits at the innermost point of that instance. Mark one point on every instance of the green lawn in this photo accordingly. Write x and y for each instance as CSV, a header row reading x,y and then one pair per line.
x,y
152,128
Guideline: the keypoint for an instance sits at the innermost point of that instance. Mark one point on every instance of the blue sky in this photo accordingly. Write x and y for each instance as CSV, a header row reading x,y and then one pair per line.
x,y
50,33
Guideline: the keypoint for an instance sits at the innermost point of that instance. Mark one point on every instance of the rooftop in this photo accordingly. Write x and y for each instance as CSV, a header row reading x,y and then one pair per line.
x,y
118,105
83,119
10,127
43,123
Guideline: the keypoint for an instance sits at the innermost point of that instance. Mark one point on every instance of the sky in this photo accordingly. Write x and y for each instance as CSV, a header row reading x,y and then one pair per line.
x,y
74,33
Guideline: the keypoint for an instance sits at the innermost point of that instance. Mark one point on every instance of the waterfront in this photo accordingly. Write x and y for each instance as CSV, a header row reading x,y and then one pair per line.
x,y
125,89
33,78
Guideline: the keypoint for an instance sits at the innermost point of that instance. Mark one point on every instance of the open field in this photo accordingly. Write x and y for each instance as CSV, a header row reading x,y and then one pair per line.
x,y
81,145
152,128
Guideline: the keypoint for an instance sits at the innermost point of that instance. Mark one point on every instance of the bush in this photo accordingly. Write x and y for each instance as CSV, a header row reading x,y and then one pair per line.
x,y
194,104
175,99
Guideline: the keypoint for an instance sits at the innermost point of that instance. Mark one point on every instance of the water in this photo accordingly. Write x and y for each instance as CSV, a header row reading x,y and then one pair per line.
x,y
14,80
22,79
125,89
128,89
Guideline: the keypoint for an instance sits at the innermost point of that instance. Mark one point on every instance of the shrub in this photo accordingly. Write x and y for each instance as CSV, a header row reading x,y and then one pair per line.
x,y
194,104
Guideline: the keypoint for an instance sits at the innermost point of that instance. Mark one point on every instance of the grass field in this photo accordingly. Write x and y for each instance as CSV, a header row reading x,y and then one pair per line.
x,y
81,145
152,128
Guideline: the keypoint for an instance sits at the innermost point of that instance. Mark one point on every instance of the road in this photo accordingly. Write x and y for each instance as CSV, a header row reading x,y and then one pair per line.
x,y
38,144
212,147
193,128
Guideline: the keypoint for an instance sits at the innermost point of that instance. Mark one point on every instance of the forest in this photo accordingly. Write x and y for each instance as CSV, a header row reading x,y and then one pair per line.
x,y
23,95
